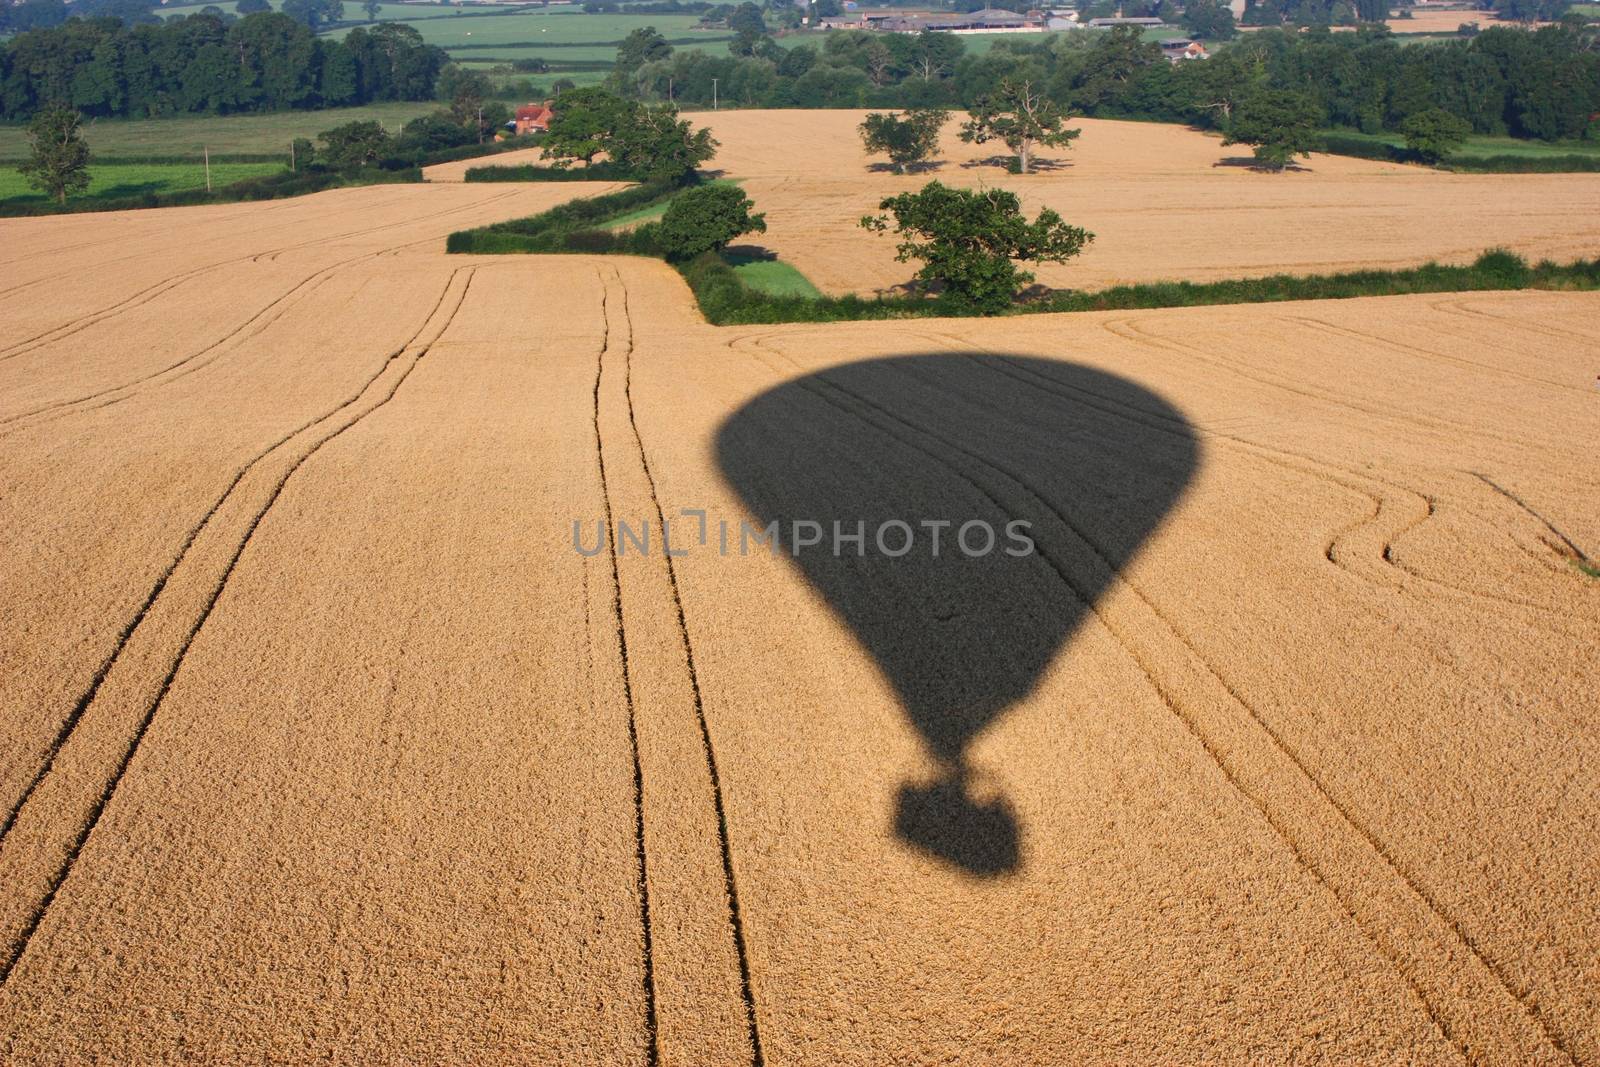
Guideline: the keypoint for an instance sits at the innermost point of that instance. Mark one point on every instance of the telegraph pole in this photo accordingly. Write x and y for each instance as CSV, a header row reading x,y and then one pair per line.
x,y
713,94
207,150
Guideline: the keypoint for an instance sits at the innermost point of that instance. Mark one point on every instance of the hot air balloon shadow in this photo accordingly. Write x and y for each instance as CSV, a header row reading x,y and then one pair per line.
x,y
932,444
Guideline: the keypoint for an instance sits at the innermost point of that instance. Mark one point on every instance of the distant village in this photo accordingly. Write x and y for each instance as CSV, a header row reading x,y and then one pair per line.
x,y
998,20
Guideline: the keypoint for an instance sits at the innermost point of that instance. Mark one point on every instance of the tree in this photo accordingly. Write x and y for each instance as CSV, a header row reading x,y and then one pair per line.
x,y
1110,65
706,219
641,46
967,240
657,145
252,7
1434,133
1019,117
746,42
314,13
747,17
1213,21
1531,10
1280,124
373,8
584,123
928,55
908,141
354,144
58,162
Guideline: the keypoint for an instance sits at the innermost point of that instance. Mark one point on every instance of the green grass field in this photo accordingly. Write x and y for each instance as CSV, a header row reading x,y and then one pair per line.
x,y
352,9
114,181
544,28
772,276
223,134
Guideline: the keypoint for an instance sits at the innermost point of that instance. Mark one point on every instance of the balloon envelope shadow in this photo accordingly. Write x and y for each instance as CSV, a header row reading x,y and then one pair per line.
x,y
931,444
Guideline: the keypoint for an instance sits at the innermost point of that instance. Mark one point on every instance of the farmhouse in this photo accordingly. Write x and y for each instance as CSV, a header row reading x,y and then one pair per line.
x,y
533,118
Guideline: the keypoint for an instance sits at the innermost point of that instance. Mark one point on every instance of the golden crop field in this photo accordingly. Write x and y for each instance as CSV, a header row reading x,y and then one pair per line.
x,y
1164,203
331,732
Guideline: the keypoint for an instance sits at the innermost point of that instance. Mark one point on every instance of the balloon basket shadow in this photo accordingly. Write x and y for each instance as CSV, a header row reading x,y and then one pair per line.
x,y
947,822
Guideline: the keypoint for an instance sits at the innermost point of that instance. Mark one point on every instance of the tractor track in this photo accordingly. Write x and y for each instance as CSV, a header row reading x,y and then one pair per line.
x,y
380,396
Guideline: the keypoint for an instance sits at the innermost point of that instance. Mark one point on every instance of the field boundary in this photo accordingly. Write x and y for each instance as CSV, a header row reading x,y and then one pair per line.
x,y
579,227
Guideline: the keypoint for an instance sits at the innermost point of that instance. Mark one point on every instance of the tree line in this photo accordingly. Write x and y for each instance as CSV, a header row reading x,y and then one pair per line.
x,y
266,61
1541,84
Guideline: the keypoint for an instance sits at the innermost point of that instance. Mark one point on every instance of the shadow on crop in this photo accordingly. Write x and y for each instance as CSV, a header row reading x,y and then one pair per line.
x,y
1091,460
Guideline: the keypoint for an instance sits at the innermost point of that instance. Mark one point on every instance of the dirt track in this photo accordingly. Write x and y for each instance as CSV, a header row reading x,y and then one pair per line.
x,y
323,742
1164,203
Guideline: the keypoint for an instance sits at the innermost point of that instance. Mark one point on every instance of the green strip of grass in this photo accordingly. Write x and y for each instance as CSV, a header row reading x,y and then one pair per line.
x,y
654,211
772,277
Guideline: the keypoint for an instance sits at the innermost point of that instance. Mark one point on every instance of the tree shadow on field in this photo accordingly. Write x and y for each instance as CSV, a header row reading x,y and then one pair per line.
x,y
739,254
130,190
911,169
1009,163
1091,461
1251,163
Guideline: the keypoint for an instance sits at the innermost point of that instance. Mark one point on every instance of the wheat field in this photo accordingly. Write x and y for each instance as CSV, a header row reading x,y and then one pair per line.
x,y
327,737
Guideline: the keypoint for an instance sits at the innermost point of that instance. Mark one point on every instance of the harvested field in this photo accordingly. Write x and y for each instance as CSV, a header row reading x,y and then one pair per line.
x,y
1164,203
324,741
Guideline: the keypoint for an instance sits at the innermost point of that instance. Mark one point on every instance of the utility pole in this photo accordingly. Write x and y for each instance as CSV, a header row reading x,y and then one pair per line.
x,y
669,88
207,150
291,154
713,94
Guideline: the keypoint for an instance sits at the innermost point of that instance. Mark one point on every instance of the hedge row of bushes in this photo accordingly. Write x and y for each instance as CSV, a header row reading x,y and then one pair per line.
x,y
1495,269
1360,148
571,227
726,301
267,187
311,178
528,172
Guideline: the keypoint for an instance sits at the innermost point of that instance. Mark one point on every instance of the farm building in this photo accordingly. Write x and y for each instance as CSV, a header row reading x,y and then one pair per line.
x,y
1180,50
533,118
1146,23
986,20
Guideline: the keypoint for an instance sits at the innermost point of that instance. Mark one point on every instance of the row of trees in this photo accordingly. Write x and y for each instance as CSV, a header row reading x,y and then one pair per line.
x,y
1278,125
1543,84
1353,12
203,63
1016,115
